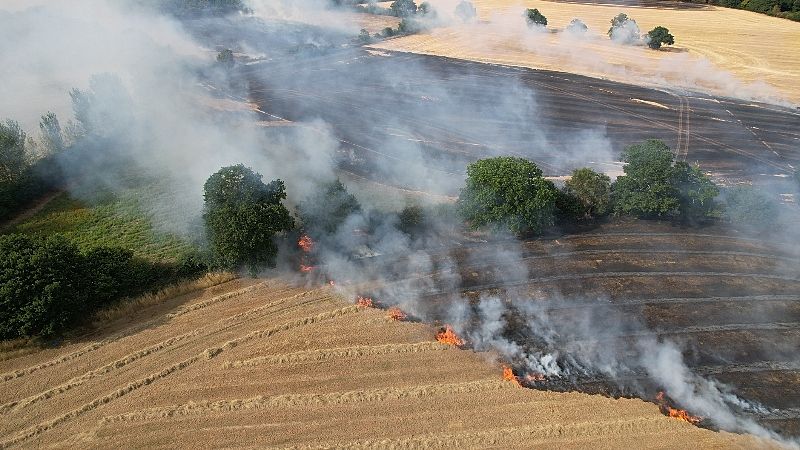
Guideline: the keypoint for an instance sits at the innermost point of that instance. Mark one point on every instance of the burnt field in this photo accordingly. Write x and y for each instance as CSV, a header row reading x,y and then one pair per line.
x,y
436,115
730,302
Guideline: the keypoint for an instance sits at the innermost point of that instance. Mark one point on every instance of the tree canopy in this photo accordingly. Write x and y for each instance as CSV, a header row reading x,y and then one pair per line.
x,y
658,36
654,186
13,158
327,209
592,189
507,192
242,216
534,17
403,8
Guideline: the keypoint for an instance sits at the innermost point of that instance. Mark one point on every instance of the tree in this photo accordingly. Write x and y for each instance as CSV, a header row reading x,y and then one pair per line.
x,y
411,219
646,189
243,215
658,36
364,36
696,192
592,189
507,192
466,11
52,138
425,8
576,26
403,8
534,17
226,58
746,206
618,21
13,157
327,209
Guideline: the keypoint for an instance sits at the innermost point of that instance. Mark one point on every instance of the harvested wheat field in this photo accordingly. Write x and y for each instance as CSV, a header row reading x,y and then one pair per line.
x,y
262,363
717,50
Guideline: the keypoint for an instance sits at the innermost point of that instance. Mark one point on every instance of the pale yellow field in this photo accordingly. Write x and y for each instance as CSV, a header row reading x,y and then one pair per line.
x,y
718,50
260,363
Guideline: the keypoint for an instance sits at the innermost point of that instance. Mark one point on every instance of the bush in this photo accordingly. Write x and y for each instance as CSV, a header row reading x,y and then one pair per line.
x,y
593,191
327,209
508,192
242,215
534,17
411,220
746,206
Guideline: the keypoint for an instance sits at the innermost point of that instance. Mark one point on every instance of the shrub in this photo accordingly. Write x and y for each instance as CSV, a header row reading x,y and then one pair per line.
x,y
508,192
411,219
327,209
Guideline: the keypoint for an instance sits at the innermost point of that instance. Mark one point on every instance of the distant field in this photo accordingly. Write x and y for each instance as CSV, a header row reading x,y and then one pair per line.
x,y
718,50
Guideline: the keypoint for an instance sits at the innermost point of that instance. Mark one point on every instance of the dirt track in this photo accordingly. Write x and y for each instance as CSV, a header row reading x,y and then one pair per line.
x,y
261,363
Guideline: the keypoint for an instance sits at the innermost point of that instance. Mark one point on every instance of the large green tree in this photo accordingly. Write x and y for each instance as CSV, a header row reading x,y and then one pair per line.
x,y
327,208
242,217
659,36
508,192
655,186
593,189
403,8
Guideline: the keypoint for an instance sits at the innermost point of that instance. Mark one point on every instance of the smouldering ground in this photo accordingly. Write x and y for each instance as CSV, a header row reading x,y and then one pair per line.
x,y
718,50
261,363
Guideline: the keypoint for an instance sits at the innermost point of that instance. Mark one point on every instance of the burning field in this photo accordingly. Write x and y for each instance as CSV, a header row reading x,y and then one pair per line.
x,y
263,363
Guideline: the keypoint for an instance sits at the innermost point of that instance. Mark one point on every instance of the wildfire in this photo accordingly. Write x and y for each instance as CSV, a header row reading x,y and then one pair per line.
x,y
364,302
448,336
305,269
680,414
396,313
305,243
534,377
508,375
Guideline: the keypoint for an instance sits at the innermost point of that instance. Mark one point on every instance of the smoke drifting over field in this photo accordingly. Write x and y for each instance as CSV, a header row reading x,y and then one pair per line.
x,y
167,130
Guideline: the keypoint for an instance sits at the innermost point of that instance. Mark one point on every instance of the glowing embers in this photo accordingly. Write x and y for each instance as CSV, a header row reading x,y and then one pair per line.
x,y
396,314
364,302
679,414
306,245
448,336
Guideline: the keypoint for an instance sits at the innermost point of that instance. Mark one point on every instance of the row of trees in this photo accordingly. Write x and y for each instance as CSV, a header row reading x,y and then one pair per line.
x,y
623,29
511,193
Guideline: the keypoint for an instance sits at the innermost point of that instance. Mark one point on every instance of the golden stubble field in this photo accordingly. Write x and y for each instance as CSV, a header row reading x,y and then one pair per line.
x,y
718,50
262,363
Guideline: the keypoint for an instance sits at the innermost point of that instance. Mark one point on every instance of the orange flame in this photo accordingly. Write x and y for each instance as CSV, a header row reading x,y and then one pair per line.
x,y
448,336
396,313
364,302
508,375
680,414
305,269
305,243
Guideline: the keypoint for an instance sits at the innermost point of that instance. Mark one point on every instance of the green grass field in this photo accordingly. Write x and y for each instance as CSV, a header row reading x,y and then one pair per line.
x,y
117,221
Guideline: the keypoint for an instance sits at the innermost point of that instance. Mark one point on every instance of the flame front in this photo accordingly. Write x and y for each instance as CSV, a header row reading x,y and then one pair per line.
x,y
396,313
508,375
305,243
448,336
680,414
305,269
364,302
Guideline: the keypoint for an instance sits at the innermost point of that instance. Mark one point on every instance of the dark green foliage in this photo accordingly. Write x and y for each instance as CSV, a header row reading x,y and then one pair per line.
x,y
47,285
387,32
655,187
646,189
787,9
696,193
411,220
242,216
226,58
747,207
568,206
13,158
409,26
658,36
593,191
534,17
327,209
507,192
425,9
618,21
403,8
